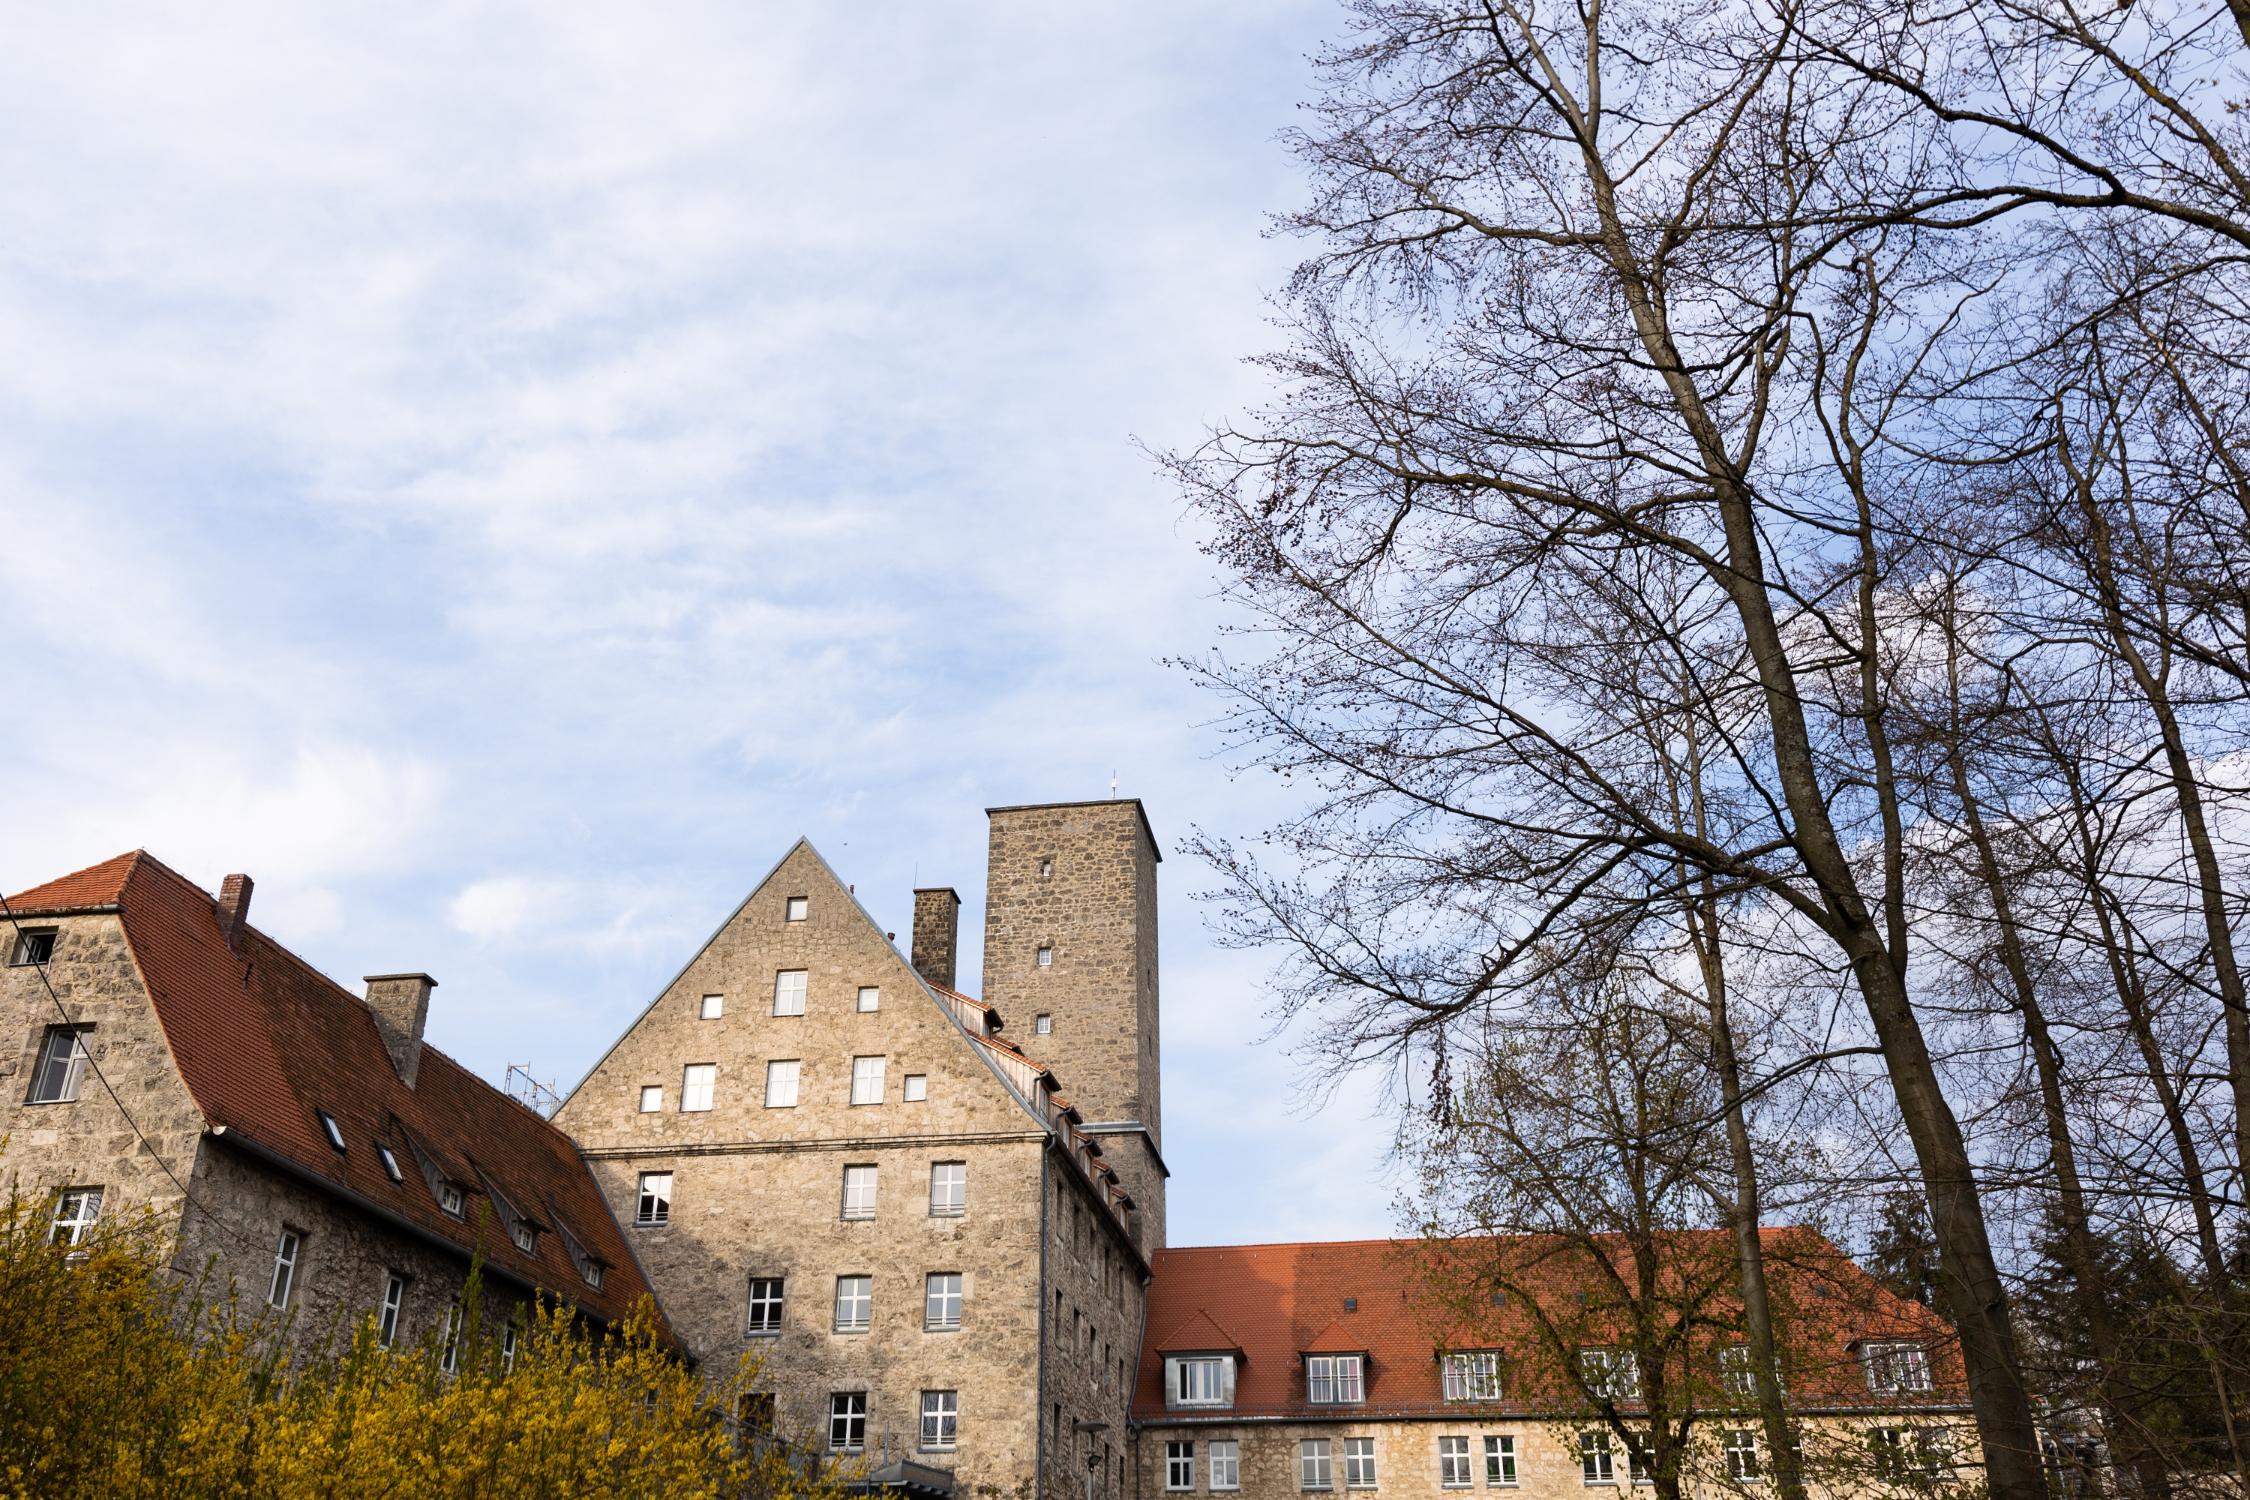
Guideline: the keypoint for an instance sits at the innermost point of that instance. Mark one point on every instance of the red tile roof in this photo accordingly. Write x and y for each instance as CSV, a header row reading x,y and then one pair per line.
x,y
262,1039
1277,1303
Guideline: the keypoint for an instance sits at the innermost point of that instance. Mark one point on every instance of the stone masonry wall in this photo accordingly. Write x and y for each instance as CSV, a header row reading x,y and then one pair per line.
x,y
1095,1312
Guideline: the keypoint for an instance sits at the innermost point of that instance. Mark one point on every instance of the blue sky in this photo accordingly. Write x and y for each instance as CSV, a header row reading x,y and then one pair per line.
x,y
498,474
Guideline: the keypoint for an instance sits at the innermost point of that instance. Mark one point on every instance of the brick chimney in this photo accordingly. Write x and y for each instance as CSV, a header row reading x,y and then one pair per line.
x,y
233,906
937,933
401,1003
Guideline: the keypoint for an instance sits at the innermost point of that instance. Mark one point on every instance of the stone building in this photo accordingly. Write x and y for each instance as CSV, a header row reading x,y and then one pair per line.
x,y
298,1141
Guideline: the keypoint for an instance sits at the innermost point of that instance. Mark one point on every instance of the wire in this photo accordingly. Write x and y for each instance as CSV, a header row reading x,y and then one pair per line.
x,y
213,1214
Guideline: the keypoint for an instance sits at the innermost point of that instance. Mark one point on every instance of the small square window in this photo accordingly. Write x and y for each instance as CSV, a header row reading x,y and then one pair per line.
x,y
526,1237
870,998
652,1098
1042,1025
798,907
916,1087
36,946
331,1129
714,1006
1046,958
592,1272
389,1158
451,1198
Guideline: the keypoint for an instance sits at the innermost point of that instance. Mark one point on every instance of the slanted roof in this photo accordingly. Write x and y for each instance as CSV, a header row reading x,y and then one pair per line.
x,y
262,1040
1416,1301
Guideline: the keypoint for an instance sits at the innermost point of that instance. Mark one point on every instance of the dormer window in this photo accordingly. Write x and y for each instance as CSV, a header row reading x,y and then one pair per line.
x,y
1473,1375
1334,1379
451,1198
1610,1374
592,1271
331,1129
389,1159
1895,1369
798,908
1198,1380
527,1237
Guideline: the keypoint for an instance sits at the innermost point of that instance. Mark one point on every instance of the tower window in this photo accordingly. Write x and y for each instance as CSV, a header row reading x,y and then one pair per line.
x,y
1043,1025
798,907
36,946
916,1087
652,1098
62,1065
1046,869
1046,958
870,997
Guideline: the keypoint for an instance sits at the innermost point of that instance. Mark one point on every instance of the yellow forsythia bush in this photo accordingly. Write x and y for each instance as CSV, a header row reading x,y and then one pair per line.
x,y
118,1379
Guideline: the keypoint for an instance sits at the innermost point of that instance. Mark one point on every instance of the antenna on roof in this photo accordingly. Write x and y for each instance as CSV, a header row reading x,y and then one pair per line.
x,y
1113,784
541,1098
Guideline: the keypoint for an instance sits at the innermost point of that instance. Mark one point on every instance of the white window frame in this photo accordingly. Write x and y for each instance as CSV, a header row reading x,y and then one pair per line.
x,y
1909,1454
1316,1465
652,1098
949,1189
941,1420
1045,957
61,1069
508,1348
855,1304
789,986
389,1158
796,909
711,1008
1896,1367
449,1353
698,1083
1194,1380
1359,1463
526,1236
1500,1461
860,1182
286,1252
1597,1460
452,1198
331,1129
847,1419
36,946
652,1206
393,1308
768,1295
77,1211
1335,1380
783,1075
1607,1367
942,1301
1453,1469
870,999
1043,1024
1225,1463
868,1079
1179,1464
1739,1447
914,1088
1472,1375
1737,1375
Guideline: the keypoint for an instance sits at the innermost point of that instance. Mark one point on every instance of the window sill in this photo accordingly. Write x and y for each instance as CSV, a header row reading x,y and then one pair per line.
x,y
762,1333
941,1328
652,1223
937,1448
855,1218
947,1213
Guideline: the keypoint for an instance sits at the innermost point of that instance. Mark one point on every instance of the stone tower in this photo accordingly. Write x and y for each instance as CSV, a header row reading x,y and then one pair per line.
x,y
1070,963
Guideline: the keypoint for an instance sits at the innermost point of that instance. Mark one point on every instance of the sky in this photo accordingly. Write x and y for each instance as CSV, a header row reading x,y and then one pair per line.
x,y
499,474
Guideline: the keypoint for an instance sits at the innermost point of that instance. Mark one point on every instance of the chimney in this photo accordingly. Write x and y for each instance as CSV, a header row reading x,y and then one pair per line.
x,y
233,907
937,933
401,1003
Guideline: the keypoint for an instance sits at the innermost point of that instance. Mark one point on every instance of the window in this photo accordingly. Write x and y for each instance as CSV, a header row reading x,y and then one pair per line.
x,y
330,1128
1736,1375
1637,1462
1474,1376
870,998
1741,1449
867,1080
591,1272
1179,1466
781,1084
394,1302
949,1189
652,1098
1453,1462
859,1192
1226,1464
1046,958
1200,1380
1046,869
941,1300
765,1304
941,1418
1315,1471
1610,1374
797,908
1332,1379
36,946
696,1081
1893,1369
449,1357
451,1198
1594,1458
1911,1454
389,1159
1499,1460
917,1087
855,1303
508,1347
714,1006
62,1065
755,1411
284,1268
526,1236
789,992
1042,1025
655,1199
1359,1463
847,1421
76,1210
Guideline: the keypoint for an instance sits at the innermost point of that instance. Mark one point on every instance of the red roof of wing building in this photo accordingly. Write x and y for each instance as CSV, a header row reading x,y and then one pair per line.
x,y
1405,1302
262,1040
